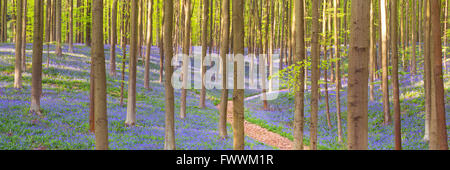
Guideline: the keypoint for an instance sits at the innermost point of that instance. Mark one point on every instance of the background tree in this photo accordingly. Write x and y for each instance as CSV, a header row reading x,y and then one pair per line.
x,y
315,74
186,49
131,105
337,71
18,66
395,83
384,56
204,48
58,28
149,45
70,25
101,119
223,55
112,66
36,73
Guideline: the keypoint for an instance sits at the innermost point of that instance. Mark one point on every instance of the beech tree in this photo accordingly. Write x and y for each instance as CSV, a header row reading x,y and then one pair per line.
x,y
36,72
112,66
204,48
101,118
315,74
358,70
149,45
395,83
384,58
223,54
169,138
238,91
299,39
18,62
131,105
58,50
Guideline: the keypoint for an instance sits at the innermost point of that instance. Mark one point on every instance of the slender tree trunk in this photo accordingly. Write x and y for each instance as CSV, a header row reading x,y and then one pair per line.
x,y
58,50
299,38
18,66
169,139
358,70
427,70
337,67
238,92
186,63
112,66
315,74
101,118
70,25
384,53
413,38
161,44
149,45
395,83
36,73
204,48
438,131
131,104
223,55
88,24
24,36
325,50
372,53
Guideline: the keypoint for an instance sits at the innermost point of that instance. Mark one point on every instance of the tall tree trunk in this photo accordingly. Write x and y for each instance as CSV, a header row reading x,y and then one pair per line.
x,y
70,25
112,66
131,104
186,63
325,50
338,69
358,70
101,118
395,83
58,50
160,34
315,74
169,138
438,131
223,55
372,53
88,24
36,73
299,38
204,48
385,63
238,92
24,36
149,45
18,66
413,38
427,69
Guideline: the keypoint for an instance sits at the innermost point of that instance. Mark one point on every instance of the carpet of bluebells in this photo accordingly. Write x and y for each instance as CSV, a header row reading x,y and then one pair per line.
x,y
280,117
65,106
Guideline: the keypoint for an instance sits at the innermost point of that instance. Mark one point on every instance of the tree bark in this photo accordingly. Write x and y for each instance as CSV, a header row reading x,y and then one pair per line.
x,y
299,38
70,25
36,73
169,139
358,70
204,48
101,119
223,55
238,92
315,74
338,69
384,56
395,83
149,45
112,66
438,131
18,54
131,104
186,50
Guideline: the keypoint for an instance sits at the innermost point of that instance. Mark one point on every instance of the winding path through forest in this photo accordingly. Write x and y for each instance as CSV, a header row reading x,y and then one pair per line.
x,y
259,133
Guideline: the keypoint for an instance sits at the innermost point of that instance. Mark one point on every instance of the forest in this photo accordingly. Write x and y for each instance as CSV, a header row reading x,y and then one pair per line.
x,y
224,75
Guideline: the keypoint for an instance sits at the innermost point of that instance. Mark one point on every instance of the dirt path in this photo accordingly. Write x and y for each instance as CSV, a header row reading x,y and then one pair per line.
x,y
261,134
